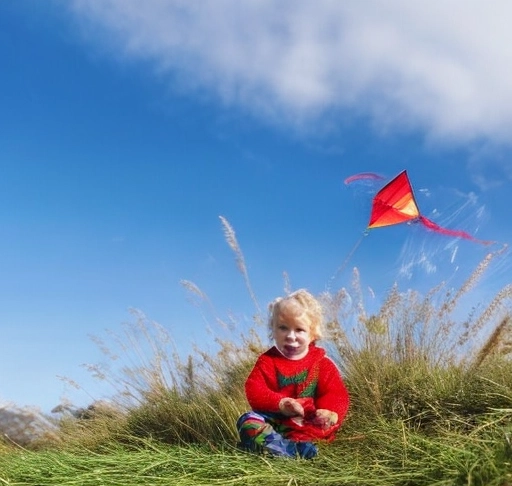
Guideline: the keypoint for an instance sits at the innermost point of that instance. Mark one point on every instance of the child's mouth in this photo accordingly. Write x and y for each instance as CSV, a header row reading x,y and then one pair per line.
x,y
290,349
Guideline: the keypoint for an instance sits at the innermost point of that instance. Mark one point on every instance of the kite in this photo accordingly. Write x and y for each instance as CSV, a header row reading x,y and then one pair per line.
x,y
395,204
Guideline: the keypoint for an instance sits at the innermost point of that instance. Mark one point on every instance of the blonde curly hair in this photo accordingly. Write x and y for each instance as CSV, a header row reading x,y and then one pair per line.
x,y
297,304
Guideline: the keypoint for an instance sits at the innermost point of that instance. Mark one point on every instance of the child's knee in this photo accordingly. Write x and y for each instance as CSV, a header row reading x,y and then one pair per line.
x,y
249,418
253,428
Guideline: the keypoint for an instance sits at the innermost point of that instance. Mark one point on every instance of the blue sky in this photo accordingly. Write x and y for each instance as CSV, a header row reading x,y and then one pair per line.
x,y
127,130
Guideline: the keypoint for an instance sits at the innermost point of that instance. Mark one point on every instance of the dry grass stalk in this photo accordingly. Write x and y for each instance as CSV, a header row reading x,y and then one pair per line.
x,y
193,289
230,236
287,285
336,312
469,283
492,343
496,304
200,300
388,309
356,286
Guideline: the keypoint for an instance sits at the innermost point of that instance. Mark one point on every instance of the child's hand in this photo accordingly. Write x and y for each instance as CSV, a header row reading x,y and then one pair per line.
x,y
325,419
291,407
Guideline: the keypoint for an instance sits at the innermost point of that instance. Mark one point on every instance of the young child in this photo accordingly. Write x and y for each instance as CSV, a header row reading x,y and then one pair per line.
x,y
295,391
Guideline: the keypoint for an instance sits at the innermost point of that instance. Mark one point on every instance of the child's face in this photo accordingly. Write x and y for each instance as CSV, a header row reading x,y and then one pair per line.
x,y
292,334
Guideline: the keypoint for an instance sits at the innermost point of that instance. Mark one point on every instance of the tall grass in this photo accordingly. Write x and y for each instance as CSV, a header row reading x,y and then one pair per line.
x,y
431,398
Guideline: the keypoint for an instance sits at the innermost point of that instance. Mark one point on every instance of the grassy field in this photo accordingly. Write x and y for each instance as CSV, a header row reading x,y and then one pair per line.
x,y
431,402
388,453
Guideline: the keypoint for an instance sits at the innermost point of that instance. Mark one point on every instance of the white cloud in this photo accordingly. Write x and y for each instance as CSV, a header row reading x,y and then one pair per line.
x,y
443,66
489,167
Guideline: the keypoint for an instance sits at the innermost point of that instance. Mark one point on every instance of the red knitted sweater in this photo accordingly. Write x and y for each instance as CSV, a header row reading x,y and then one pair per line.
x,y
314,378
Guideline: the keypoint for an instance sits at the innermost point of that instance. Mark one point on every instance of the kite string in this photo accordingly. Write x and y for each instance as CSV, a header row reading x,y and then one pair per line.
x,y
345,262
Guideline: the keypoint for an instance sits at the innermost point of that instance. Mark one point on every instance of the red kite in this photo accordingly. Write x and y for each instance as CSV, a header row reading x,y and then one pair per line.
x,y
395,204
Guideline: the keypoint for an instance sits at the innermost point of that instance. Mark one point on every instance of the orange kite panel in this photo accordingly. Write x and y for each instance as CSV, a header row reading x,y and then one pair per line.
x,y
394,203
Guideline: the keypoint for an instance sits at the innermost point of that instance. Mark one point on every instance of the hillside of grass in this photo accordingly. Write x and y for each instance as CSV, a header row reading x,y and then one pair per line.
x,y
386,452
431,402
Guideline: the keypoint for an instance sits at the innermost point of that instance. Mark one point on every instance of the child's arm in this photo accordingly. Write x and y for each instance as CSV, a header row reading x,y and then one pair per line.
x,y
260,389
332,395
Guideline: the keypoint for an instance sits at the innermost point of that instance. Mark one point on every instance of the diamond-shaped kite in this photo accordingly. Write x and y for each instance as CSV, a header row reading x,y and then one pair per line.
x,y
395,204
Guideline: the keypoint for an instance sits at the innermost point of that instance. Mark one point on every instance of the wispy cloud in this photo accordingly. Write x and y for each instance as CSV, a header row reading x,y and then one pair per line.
x,y
490,167
443,67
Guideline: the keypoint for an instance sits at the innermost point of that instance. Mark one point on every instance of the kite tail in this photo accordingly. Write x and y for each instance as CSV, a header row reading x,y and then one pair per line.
x,y
345,262
363,175
456,233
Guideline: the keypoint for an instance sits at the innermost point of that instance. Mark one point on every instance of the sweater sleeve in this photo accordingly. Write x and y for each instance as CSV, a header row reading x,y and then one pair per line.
x,y
260,387
332,393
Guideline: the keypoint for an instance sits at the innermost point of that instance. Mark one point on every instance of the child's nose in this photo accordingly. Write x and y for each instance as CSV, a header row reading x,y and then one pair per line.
x,y
291,335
